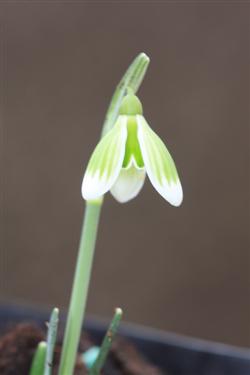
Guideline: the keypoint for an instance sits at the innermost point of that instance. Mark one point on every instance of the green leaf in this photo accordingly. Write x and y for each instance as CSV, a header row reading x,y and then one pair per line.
x,y
51,340
38,362
106,344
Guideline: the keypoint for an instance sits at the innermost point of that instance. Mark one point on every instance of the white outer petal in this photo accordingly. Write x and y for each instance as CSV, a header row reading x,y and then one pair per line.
x,y
94,186
171,191
129,183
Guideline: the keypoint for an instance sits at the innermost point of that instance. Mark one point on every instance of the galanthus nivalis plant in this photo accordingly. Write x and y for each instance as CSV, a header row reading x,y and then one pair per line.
x,y
122,158
128,151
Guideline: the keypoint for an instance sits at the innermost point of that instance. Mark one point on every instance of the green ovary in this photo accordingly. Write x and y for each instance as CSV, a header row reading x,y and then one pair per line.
x,y
132,145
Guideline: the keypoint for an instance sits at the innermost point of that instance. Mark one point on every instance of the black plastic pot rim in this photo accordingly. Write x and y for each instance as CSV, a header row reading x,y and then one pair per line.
x,y
134,330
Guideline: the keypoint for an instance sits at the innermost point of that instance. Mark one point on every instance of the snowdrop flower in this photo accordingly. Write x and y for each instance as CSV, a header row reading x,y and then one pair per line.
x,y
123,157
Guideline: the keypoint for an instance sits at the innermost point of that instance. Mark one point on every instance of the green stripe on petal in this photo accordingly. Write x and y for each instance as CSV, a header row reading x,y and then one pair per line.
x,y
133,150
106,161
129,183
159,164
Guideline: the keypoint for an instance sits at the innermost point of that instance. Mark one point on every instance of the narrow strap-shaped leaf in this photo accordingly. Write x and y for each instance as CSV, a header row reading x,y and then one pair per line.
x,y
38,362
51,340
107,342
131,81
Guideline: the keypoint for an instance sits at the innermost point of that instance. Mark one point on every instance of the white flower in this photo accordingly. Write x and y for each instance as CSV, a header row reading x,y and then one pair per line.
x,y
123,157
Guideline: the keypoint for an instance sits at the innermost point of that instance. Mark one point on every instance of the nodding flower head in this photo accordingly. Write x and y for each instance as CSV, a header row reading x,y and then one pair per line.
x,y
123,157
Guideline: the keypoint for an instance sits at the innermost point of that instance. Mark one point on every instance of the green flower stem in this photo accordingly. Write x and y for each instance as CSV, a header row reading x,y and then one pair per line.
x,y
80,287
106,344
38,362
130,81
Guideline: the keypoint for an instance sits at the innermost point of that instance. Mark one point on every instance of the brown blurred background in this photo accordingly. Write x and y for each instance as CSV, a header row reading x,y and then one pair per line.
x,y
184,270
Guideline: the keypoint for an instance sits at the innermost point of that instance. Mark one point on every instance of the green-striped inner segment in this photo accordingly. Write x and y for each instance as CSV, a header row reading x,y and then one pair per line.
x,y
132,145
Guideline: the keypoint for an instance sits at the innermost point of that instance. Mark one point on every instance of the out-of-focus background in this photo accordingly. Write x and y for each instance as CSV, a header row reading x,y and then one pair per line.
x,y
184,270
